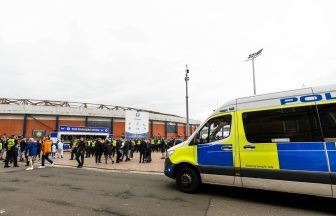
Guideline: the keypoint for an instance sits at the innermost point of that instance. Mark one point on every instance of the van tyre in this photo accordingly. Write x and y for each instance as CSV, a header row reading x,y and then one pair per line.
x,y
187,180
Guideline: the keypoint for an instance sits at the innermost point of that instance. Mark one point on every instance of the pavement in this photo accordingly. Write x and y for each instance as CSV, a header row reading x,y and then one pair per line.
x,y
90,191
157,164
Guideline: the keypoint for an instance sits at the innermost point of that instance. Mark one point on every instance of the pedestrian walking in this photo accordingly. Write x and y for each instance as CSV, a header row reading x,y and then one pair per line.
x,y
53,150
93,148
39,148
60,145
46,150
99,150
31,153
163,149
119,151
148,152
125,147
73,146
114,147
108,151
87,148
80,152
131,148
22,154
142,150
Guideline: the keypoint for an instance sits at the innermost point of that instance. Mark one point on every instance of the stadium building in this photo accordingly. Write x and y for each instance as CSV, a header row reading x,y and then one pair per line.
x,y
36,118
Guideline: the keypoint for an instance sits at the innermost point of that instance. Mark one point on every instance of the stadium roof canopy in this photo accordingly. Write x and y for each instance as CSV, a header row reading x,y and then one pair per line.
x,y
19,106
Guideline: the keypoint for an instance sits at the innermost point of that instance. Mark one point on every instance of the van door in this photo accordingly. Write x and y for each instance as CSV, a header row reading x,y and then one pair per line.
x,y
327,114
282,149
215,142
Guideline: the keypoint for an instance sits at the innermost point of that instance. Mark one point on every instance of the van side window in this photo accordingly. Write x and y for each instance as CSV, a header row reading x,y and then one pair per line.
x,y
220,128
327,113
215,129
204,134
297,124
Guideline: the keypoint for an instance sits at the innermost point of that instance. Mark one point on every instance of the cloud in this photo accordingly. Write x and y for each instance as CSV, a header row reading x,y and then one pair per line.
x,y
133,53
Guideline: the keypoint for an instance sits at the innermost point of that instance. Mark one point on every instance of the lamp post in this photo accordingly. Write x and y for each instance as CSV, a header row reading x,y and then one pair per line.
x,y
251,58
186,78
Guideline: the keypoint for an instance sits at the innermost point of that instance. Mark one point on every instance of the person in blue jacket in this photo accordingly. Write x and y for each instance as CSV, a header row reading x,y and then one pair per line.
x,y
31,152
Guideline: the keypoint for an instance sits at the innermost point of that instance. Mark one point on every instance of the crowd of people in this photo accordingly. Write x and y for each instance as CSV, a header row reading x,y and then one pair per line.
x,y
113,150
119,150
19,149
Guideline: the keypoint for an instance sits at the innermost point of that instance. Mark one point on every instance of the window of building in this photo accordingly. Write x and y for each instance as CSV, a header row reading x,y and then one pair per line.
x,y
105,124
298,124
171,127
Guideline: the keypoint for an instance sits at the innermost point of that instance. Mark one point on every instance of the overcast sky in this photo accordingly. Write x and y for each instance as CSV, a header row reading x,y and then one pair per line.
x,y
134,52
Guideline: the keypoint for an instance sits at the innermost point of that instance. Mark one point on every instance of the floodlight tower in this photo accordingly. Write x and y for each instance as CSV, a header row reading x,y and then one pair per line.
x,y
186,79
251,57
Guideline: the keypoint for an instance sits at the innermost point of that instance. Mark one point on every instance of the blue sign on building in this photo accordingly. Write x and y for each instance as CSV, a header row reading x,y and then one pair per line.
x,y
84,129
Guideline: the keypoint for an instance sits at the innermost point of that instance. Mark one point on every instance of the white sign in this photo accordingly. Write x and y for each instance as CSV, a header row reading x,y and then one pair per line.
x,y
137,124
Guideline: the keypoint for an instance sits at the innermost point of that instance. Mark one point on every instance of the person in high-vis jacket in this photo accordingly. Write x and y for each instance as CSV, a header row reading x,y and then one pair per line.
x,y
137,145
158,145
152,144
93,147
73,149
87,148
114,147
12,151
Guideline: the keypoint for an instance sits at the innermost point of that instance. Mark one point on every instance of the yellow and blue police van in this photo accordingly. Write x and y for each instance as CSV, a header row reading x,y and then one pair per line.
x,y
283,141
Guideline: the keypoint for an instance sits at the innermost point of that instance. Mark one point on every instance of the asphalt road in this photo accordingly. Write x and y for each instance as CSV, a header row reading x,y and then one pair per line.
x,y
70,191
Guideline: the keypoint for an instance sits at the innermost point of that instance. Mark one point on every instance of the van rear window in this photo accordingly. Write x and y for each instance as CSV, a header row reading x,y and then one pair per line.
x,y
298,124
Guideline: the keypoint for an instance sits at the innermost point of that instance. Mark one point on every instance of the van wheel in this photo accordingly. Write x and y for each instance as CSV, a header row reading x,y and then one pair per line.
x,y
187,180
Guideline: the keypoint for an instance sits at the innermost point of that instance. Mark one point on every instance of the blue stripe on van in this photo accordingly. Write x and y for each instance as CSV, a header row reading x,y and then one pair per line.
x,y
213,155
302,156
331,147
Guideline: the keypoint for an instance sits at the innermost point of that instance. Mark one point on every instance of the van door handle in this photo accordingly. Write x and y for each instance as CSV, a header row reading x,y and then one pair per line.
x,y
249,147
226,147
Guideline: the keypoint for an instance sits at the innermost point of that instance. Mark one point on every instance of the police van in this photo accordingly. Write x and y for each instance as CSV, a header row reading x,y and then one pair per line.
x,y
283,141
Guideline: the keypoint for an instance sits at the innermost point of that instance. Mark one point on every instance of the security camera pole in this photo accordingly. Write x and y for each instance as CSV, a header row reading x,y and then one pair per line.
x,y
251,58
187,98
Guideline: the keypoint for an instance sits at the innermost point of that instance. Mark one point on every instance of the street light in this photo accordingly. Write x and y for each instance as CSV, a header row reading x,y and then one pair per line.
x,y
251,58
186,78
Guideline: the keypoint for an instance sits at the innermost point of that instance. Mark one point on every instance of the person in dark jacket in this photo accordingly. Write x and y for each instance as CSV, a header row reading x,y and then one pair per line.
x,y
80,152
148,152
39,147
125,147
119,151
108,151
142,150
23,145
131,148
163,149
99,150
